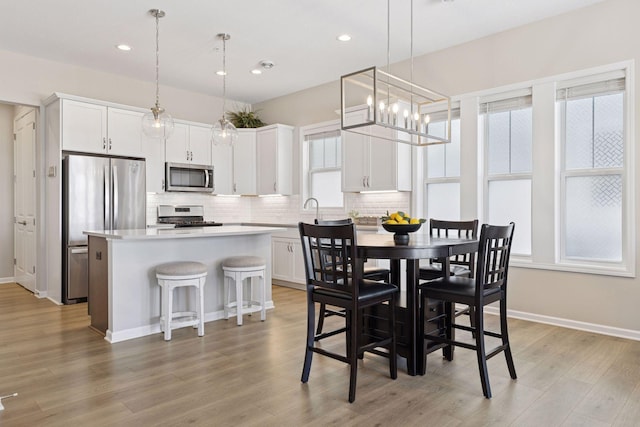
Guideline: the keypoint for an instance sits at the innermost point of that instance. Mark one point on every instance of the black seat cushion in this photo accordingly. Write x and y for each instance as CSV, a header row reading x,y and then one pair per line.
x,y
369,289
456,289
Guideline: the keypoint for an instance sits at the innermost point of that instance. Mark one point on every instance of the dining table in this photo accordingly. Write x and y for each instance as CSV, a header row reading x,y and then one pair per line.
x,y
410,340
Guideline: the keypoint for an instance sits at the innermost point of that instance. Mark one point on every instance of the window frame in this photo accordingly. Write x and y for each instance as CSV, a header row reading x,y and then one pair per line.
x,y
305,170
483,117
626,266
446,179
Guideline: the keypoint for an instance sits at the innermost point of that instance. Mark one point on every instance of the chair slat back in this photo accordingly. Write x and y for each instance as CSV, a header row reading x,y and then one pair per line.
x,y
461,229
494,251
329,253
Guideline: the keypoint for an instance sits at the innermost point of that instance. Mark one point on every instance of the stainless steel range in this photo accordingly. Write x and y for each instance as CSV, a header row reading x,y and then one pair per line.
x,y
184,216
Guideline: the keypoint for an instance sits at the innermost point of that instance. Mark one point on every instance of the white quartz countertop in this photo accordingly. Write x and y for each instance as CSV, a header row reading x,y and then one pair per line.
x,y
182,233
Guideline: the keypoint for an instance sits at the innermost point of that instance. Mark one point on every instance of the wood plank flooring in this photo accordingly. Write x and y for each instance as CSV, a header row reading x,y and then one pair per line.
x,y
66,374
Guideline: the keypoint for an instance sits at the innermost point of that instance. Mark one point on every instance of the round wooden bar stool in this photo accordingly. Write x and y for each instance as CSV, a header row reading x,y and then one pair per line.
x,y
181,274
239,268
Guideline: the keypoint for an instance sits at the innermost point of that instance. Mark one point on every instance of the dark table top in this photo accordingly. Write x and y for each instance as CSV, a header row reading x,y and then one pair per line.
x,y
419,246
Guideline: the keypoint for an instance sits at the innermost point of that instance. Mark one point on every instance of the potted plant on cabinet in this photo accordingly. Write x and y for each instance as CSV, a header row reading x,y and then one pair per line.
x,y
245,119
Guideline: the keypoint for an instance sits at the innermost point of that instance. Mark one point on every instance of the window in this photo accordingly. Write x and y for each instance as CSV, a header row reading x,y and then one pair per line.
x,y
443,169
508,136
592,132
324,174
555,156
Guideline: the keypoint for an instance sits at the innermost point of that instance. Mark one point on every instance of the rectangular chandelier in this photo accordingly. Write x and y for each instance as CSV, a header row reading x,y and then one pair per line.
x,y
376,103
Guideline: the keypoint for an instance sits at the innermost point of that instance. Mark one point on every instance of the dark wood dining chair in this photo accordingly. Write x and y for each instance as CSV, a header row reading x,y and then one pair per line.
x,y
369,272
461,265
333,278
489,285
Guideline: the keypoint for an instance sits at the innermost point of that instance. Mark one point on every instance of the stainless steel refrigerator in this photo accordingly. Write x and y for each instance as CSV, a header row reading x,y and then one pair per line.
x,y
98,193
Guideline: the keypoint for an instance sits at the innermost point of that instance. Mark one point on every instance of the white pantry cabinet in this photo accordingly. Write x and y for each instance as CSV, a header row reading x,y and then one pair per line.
x,y
288,262
274,149
374,164
94,128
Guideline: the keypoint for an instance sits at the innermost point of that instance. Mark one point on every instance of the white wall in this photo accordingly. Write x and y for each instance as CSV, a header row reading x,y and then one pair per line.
x,y
29,80
597,35
6,193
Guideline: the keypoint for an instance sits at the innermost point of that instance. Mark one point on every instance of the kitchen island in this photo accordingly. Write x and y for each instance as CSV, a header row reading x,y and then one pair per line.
x,y
124,296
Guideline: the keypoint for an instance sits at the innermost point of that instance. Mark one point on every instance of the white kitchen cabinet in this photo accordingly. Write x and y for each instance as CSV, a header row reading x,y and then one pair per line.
x,y
274,150
94,128
374,164
153,152
200,144
222,160
189,144
244,163
124,132
288,262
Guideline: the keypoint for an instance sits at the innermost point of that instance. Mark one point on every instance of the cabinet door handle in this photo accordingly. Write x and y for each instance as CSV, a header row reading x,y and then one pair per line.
x,y
274,186
368,182
364,181
109,144
191,156
104,143
187,155
235,187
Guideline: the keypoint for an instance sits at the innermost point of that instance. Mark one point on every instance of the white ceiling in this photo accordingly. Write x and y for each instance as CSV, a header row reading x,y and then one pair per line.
x,y
299,36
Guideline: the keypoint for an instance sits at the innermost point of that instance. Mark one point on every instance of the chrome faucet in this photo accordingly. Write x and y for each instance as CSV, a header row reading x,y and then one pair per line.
x,y
306,203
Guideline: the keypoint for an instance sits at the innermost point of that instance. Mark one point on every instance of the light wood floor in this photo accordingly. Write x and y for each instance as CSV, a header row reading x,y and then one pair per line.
x,y
66,374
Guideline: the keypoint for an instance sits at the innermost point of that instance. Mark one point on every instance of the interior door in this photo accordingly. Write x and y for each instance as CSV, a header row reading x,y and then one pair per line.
x,y
25,199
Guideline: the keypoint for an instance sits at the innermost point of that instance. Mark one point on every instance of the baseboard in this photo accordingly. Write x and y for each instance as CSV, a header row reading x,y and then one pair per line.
x,y
299,286
568,323
5,280
143,331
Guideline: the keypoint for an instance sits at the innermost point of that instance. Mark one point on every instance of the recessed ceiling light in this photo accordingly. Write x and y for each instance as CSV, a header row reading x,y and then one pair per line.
x,y
344,37
124,47
256,71
221,73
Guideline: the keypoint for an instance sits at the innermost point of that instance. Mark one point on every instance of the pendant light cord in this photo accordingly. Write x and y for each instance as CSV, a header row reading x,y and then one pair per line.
x,y
224,74
157,59
411,53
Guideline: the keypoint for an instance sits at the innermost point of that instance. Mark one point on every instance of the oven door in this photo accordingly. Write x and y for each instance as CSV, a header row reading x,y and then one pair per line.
x,y
189,177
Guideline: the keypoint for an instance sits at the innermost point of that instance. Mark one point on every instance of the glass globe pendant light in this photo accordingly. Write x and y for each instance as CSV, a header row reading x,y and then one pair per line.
x,y
157,123
223,131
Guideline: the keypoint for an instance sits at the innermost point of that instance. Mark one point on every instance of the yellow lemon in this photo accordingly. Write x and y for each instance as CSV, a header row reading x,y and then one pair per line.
x,y
403,221
391,221
414,221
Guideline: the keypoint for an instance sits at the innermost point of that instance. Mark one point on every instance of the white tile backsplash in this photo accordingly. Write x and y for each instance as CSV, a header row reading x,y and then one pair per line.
x,y
277,209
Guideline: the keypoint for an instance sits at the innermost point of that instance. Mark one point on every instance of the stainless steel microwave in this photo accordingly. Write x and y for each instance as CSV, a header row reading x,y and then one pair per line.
x,y
189,177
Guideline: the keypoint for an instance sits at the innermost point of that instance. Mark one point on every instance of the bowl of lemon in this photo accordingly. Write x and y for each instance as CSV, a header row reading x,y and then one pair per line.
x,y
401,224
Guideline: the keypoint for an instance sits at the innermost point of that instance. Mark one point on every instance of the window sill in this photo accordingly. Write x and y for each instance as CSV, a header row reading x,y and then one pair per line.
x,y
573,268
